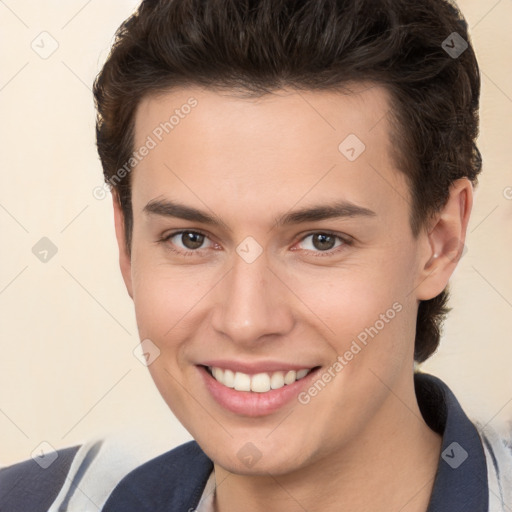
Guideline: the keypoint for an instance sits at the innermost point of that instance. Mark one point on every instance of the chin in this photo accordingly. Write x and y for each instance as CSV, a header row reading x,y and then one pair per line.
x,y
258,458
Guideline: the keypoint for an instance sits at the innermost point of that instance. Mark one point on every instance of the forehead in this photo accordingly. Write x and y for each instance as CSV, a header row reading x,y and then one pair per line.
x,y
230,116
288,146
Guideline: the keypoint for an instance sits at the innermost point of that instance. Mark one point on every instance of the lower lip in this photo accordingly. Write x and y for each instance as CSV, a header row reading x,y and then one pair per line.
x,y
250,403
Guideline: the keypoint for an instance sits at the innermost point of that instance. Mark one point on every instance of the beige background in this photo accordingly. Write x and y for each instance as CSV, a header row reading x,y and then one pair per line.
x,y
67,331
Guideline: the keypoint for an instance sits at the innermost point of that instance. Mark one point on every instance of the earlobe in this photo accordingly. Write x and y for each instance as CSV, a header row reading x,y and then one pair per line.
x,y
124,256
445,241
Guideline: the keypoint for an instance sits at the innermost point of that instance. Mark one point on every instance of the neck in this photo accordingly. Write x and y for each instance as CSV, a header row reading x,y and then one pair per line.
x,y
390,466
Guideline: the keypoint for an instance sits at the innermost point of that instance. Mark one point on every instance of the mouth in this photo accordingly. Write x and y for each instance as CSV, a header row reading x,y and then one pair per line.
x,y
259,382
255,394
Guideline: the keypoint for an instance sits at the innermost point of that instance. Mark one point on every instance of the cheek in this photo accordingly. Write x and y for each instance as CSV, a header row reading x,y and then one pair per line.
x,y
158,305
363,310
165,296
165,303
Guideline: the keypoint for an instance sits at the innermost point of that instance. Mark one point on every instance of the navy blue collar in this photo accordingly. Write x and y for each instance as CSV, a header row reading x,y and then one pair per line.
x,y
174,481
461,479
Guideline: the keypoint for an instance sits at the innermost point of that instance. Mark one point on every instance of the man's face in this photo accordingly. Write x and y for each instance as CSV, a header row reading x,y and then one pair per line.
x,y
261,291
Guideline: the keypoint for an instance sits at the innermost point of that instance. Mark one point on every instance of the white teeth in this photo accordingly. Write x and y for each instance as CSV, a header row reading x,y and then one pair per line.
x,y
242,382
302,373
229,379
277,380
258,383
218,373
290,377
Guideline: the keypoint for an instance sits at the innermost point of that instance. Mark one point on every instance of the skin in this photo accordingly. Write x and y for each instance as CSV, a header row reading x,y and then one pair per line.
x,y
249,161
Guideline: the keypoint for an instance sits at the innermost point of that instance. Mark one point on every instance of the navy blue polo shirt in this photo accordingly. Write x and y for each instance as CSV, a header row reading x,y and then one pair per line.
x,y
175,480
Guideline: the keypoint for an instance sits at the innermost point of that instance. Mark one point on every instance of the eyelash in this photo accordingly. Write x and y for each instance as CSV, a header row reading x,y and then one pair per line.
x,y
347,242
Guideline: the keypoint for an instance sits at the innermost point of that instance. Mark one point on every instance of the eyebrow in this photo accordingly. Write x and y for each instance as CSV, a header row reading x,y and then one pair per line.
x,y
338,209
167,208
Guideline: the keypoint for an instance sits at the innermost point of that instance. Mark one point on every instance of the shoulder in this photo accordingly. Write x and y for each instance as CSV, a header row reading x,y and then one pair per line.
x,y
175,479
118,472
498,453
123,475
29,485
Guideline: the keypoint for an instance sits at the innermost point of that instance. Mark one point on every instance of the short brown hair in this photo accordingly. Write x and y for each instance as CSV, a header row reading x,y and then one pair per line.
x,y
260,46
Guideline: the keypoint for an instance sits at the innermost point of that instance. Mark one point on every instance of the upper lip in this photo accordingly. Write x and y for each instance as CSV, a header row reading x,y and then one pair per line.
x,y
255,367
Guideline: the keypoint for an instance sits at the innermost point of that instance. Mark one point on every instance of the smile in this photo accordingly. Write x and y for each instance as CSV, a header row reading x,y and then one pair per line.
x,y
258,383
258,392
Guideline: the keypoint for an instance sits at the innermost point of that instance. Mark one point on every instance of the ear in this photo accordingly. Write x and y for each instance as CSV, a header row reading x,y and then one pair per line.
x,y
444,241
124,256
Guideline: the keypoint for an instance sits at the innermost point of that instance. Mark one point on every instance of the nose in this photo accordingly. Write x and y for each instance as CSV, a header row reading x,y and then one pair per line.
x,y
252,303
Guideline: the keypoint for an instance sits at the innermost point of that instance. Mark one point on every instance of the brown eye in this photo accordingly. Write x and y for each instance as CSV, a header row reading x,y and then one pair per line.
x,y
323,242
187,242
192,240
